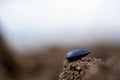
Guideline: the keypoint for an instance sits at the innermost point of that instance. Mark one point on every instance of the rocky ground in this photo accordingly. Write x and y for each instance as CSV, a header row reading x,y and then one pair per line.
x,y
91,69
76,70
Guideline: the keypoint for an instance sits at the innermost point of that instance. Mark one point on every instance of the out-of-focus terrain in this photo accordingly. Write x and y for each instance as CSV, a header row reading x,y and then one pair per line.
x,y
47,64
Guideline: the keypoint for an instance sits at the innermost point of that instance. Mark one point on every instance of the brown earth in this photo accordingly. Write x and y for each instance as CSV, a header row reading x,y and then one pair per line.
x,y
77,70
90,69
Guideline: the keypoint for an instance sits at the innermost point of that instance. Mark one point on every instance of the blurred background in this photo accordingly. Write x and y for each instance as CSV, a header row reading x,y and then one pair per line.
x,y
35,35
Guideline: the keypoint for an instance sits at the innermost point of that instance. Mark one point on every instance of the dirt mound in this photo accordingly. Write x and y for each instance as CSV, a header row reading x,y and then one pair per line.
x,y
77,69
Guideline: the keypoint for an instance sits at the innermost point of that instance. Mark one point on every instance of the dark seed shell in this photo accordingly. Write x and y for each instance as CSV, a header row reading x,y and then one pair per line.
x,y
76,54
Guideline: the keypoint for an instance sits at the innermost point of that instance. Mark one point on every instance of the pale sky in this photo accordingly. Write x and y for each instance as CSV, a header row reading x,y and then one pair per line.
x,y
29,22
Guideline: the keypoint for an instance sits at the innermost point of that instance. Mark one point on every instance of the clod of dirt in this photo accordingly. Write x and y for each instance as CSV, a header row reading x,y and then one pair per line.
x,y
76,70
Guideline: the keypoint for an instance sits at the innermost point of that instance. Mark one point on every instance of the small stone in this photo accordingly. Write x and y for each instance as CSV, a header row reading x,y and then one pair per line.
x,y
78,68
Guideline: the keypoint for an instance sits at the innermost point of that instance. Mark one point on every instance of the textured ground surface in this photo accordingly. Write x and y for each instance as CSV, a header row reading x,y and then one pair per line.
x,y
76,70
